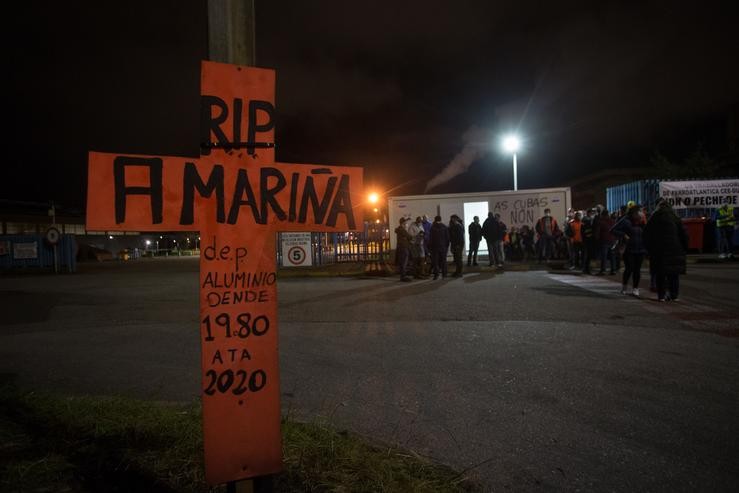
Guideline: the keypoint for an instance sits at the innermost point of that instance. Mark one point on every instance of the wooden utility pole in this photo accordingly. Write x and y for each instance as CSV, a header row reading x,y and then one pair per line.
x,y
231,32
231,39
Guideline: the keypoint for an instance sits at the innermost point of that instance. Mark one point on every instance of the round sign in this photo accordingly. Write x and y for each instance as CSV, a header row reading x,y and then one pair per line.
x,y
53,236
296,255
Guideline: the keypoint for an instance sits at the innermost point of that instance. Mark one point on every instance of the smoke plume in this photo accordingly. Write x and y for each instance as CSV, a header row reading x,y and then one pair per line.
x,y
475,145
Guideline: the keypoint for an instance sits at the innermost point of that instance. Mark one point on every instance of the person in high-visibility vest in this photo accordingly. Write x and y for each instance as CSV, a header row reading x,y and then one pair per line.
x,y
726,222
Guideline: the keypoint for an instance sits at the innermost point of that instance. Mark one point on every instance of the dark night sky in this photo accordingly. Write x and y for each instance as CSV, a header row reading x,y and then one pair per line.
x,y
400,89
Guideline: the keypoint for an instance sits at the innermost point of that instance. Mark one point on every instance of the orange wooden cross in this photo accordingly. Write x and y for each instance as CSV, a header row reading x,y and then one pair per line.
x,y
238,198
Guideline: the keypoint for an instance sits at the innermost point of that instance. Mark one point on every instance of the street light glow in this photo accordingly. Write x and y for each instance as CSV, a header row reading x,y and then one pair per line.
x,y
511,143
373,198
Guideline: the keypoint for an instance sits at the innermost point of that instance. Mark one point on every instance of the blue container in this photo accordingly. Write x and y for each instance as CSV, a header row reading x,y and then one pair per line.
x,y
38,253
643,192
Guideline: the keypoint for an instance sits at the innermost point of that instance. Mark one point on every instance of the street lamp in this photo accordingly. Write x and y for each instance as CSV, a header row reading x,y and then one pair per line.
x,y
511,144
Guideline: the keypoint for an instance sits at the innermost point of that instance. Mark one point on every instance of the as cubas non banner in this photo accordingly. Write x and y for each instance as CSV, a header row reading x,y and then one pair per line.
x,y
700,194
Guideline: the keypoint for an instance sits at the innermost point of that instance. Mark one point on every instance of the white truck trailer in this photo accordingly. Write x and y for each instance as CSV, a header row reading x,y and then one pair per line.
x,y
516,208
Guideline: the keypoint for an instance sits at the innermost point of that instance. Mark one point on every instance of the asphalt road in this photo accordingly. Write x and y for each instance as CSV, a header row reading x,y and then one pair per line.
x,y
531,380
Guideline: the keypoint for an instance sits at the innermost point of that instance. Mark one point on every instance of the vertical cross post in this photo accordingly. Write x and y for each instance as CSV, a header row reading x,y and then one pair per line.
x,y
238,198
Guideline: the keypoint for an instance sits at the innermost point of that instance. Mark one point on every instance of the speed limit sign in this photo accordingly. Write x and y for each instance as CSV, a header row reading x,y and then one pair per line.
x,y
296,255
296,249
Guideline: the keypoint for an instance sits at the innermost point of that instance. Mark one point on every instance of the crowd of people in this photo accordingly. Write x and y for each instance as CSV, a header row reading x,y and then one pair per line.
x,y
422,247
611,242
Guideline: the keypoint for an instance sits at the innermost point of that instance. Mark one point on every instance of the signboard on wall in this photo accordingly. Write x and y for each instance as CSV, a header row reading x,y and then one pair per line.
x,y
25,250
710,194
296,249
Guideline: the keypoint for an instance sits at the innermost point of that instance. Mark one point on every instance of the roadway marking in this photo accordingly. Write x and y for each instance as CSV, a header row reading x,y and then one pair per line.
x,y
598,285
694,315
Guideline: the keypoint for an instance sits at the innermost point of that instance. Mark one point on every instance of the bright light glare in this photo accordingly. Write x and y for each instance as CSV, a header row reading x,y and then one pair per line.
x,y
511,143
373,198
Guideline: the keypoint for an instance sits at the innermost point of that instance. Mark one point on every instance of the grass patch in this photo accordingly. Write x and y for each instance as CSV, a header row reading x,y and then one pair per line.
x,y
317,457
52,443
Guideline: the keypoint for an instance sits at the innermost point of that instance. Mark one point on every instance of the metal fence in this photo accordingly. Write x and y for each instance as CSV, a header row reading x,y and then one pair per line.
x,y
370,245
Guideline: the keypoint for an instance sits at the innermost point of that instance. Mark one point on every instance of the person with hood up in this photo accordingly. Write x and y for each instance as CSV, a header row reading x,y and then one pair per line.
x,y
667,243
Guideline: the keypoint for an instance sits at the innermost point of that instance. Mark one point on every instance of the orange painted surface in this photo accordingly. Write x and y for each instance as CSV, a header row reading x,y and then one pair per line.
x,y
240,359
138,205
238,199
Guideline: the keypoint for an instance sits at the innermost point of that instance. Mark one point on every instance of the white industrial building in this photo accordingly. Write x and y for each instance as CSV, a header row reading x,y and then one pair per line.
x,y
516,208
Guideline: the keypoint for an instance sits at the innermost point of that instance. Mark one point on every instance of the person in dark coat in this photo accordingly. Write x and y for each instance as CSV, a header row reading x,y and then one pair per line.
x,y
439,244
488,234
667,244
548,231
630,228
587,231
456,240
499,230
475,234
426,237
606,241
403,251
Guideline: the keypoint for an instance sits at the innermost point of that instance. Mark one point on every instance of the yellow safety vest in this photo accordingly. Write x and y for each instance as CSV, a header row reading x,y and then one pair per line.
x,y
725,217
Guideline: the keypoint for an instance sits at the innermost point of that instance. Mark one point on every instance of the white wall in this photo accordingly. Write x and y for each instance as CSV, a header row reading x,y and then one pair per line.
x,y
516,208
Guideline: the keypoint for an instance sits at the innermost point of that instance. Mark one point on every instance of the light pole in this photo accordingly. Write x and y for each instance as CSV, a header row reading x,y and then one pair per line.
x,y
511,144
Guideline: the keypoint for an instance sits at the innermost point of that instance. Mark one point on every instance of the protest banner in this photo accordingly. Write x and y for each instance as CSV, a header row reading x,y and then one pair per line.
x,y
710,194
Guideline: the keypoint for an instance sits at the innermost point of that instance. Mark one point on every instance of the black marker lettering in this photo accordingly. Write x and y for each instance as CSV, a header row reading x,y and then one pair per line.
x,y
154,190
191,182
